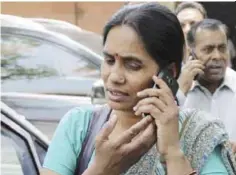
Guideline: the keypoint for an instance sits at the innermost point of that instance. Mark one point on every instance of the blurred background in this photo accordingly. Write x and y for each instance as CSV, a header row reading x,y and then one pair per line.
x,y
50,63
83,14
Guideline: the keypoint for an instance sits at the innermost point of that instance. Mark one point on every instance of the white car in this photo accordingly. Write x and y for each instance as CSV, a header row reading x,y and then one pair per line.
x,y
23,146
84,37
44,74
34,61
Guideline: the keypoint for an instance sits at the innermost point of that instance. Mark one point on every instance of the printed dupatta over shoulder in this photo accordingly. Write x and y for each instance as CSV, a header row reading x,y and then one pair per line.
x,y
199,136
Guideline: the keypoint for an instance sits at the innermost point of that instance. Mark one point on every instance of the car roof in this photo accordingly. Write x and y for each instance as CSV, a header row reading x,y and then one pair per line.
x,y
56,38
25,24
85,37
45,21
19,22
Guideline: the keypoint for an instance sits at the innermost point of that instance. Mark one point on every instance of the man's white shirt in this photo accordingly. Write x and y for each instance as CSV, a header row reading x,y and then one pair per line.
x,y
221,104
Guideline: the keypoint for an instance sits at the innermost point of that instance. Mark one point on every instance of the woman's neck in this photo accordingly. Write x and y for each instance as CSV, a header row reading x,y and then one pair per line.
x,y
126,119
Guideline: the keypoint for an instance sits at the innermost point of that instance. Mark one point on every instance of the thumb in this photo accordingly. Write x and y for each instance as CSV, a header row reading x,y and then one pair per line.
x,y
190,58
107,128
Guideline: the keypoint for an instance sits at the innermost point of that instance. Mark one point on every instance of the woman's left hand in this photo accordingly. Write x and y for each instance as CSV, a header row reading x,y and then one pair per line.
x,y
160,104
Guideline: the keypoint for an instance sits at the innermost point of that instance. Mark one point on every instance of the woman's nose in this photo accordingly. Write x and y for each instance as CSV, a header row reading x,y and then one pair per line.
x,y
117,74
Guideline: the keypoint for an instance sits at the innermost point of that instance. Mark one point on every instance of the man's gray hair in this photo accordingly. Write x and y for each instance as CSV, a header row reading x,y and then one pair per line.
x,y
210,24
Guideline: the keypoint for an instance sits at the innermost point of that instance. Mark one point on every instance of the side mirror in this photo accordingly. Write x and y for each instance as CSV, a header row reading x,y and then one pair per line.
x,y
98,93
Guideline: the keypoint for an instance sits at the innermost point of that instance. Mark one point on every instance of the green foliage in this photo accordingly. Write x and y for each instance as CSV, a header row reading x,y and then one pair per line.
x,y
14,50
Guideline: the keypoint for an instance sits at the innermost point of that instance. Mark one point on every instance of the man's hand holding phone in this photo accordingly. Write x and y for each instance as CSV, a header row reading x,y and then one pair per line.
x,y
190,70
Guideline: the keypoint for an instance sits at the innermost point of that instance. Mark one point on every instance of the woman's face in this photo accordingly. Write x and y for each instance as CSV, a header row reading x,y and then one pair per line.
x,y
127,68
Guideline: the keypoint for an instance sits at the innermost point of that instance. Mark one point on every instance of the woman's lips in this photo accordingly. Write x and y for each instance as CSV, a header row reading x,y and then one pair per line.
x,y
117,96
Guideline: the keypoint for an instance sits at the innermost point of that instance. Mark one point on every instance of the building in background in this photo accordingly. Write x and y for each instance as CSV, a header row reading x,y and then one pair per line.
x,y
90,16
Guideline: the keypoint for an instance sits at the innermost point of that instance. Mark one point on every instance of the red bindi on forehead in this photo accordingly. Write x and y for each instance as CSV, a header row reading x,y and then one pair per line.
x,y
116,56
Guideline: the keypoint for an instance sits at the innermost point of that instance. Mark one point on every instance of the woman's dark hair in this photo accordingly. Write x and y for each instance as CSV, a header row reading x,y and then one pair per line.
x,y
158,28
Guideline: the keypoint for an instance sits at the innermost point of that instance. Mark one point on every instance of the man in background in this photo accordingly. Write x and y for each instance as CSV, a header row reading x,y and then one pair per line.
x,y
212,84
189,13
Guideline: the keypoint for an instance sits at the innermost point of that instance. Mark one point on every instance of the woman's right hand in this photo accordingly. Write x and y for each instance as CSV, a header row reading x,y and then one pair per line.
x,y
116,156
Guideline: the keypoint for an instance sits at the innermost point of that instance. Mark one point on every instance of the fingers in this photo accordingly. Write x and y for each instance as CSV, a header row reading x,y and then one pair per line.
x,y
144,141
234,149
190,58
107,129
191,69
152,100
150,109
197,71
152,106
199,66
194,64
233,144
158,93
163,93
162,85
128,135
149,93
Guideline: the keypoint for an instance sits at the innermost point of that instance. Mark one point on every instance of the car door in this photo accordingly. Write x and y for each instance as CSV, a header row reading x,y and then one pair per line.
x,y
22,151
41,107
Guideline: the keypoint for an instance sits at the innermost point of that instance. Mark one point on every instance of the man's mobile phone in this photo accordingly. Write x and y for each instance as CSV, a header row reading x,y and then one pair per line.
x,y
171,82
192,53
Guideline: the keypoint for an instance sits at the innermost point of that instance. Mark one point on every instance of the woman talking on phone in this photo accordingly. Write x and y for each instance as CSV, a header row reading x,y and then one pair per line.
x,y
144,132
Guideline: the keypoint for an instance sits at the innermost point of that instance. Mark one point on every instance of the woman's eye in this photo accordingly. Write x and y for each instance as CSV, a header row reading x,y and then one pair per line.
x,y
110,61
133,66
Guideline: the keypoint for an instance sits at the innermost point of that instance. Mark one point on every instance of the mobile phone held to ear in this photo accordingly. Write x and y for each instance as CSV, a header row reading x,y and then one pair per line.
x,y
192,53
169,80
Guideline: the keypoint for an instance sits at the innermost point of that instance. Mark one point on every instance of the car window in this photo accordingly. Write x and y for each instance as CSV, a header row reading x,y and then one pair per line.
x,y
10,163
25,57
16,155
41,150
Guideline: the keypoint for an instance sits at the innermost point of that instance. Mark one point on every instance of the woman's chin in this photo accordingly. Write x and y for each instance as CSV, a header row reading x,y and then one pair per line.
x,y
120,105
